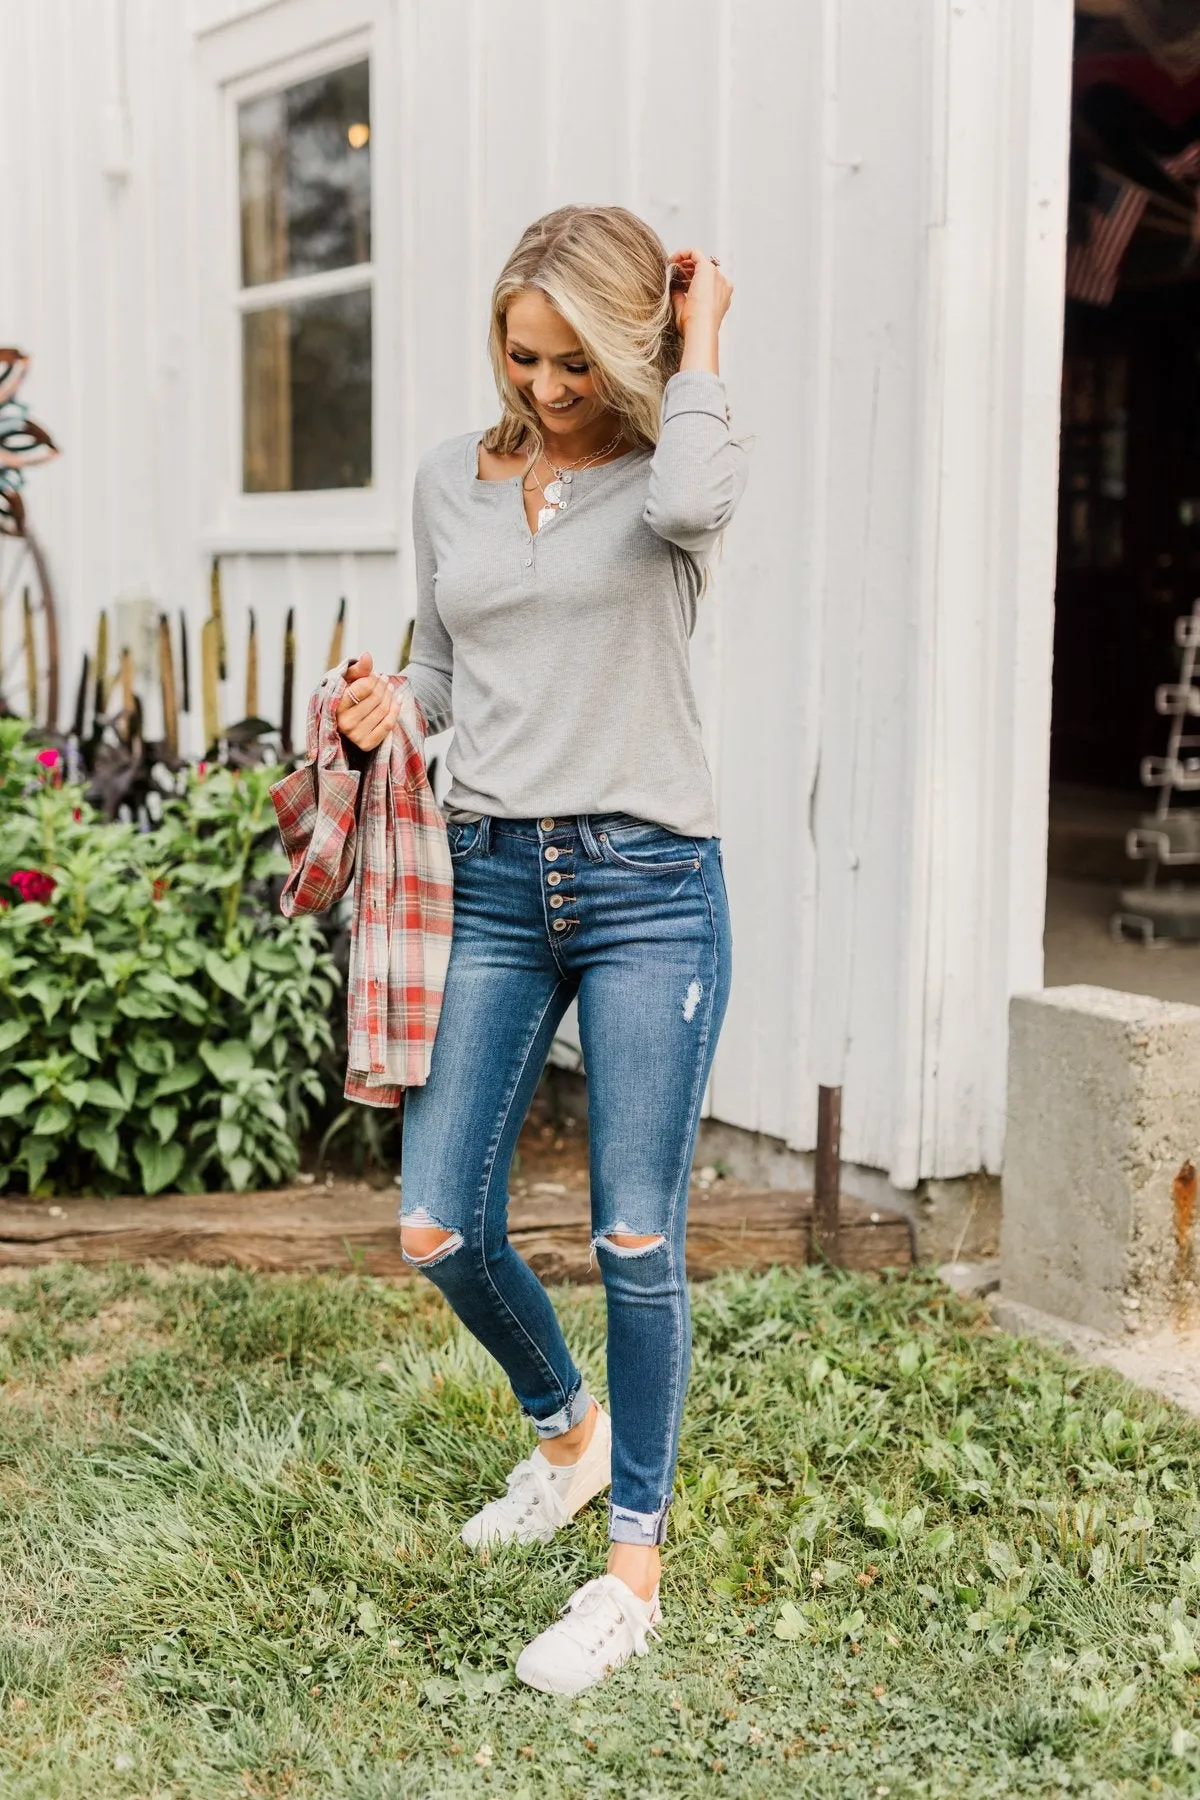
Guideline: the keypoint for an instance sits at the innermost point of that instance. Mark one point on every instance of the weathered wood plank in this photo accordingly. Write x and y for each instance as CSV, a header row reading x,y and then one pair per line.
x,y
303,1229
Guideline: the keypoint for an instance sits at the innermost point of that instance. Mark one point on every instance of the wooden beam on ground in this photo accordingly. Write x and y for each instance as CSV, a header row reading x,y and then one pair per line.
x,y
305,1229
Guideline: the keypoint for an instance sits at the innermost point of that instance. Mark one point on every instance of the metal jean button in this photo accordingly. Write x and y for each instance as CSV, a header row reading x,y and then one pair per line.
x,y
553,879
547,824
551,853
556,900
560,924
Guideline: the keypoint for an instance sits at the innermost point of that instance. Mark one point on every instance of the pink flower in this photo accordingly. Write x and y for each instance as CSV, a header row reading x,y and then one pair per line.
x,y
33,887
51,764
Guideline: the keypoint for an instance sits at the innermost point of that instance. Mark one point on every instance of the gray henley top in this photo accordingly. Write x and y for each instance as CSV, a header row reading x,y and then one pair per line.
x,y
561,656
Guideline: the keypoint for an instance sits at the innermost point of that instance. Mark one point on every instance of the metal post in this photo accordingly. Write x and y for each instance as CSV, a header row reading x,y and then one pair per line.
x,y
827,1187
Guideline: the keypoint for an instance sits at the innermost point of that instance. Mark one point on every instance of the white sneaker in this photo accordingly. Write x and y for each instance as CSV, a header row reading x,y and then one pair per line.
x,y
603,1624
540,1498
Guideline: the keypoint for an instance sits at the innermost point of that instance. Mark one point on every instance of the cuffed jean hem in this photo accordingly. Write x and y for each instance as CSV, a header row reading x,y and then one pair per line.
x,y
626,1527
567,1417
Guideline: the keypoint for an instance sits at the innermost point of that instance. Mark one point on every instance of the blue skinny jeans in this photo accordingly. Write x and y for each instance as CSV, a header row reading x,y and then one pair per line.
x,y
633,920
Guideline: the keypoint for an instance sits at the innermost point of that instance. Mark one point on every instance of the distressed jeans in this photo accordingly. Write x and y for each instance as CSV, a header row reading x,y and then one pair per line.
x,y
633,920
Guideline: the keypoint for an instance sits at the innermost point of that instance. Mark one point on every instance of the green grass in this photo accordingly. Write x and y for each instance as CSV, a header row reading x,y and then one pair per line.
x,y
908,1557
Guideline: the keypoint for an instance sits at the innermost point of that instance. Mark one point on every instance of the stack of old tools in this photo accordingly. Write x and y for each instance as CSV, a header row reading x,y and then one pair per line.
x,y
107,740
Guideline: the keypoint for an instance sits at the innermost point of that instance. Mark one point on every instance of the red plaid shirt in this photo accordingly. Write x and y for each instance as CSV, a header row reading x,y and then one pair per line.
x,y
391,842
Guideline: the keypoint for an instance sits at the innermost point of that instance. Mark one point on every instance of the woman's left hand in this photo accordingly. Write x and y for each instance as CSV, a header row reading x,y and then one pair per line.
x,y
703,293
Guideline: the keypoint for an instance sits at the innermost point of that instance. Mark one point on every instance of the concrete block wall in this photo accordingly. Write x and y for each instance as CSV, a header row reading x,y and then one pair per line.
x,y
1100,1160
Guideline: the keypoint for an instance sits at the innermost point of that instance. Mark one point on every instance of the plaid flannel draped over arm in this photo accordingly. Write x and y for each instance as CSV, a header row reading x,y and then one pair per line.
x,y
382,831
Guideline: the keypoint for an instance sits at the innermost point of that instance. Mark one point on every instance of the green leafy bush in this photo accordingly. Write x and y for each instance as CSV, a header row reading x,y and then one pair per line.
x,y
161,1024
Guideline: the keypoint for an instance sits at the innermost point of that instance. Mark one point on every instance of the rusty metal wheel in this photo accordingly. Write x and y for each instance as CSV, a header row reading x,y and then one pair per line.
x,y
29,673
29,660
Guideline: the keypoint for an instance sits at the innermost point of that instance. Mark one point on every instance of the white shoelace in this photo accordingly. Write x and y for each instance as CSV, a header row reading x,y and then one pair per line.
x,y
579,1614
533,1489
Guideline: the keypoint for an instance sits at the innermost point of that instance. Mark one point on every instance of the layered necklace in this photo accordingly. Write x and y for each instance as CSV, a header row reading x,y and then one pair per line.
x,y
555,492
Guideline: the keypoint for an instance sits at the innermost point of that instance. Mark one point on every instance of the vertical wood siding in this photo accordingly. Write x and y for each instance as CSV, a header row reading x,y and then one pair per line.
x,y
886,183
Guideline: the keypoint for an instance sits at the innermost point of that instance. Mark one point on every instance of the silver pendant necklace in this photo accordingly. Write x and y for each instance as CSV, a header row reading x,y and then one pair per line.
x,y
554,491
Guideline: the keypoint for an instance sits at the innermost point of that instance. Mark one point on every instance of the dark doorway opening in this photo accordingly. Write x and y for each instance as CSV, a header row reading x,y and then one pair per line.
x,y
1129,527
1129,495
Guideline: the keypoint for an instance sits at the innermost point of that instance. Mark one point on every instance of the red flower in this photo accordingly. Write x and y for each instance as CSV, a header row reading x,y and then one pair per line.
x,y
161,884
32,885
76,814
51,764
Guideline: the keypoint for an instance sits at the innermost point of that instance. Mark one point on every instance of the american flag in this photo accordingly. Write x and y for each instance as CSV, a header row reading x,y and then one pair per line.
x,y
1093,268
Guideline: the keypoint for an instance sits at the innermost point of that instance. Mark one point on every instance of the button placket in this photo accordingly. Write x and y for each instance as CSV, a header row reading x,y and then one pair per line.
x,y
560,876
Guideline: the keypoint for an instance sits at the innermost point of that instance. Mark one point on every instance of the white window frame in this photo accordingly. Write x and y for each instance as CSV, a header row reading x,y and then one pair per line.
x,y
259,53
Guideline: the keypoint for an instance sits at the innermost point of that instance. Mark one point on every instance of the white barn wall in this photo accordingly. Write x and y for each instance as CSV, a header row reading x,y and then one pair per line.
x,y
887,184
980,664
862,593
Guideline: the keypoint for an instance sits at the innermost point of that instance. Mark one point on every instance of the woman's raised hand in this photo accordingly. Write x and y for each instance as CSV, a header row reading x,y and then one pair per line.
x,y
700,293
368,711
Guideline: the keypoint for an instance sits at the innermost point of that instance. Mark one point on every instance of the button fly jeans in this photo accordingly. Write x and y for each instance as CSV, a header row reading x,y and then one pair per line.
x,y
633,920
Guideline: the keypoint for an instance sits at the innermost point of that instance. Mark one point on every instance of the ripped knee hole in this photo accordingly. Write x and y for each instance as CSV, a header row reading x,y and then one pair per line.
x,y
627,1243
422,1240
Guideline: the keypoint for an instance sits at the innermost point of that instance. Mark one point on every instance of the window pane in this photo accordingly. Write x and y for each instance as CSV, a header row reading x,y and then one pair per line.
x,y
305,173
306,395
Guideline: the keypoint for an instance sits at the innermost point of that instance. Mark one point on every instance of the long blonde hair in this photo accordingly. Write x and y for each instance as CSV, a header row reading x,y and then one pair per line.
x,y
606,272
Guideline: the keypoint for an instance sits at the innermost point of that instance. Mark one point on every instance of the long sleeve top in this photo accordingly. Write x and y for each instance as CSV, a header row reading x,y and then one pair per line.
x,y
561,656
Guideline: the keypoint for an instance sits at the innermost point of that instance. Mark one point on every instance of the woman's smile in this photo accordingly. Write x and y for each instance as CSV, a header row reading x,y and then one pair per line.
x,y
548,364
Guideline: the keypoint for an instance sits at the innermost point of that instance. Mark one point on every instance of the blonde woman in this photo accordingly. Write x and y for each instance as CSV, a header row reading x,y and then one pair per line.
x,y
560,561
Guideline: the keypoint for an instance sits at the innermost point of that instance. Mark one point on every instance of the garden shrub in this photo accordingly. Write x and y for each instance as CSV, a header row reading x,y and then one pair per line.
x,y
161,1023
